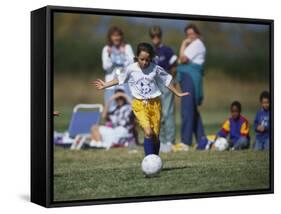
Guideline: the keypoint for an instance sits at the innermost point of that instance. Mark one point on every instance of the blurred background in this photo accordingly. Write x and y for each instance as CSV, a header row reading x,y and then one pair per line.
x,y
236,68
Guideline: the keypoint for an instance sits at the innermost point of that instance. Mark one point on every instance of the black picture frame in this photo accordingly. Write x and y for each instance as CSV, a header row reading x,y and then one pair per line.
x,y
42,104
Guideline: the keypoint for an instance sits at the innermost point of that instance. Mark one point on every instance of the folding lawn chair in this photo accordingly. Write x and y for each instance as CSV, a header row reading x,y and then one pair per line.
x,y
82,121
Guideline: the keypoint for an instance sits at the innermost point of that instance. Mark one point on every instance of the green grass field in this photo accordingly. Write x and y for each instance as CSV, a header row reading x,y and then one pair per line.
x,y
95,174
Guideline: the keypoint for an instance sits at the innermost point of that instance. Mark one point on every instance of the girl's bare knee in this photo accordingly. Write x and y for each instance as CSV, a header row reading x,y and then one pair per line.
x,y
148,133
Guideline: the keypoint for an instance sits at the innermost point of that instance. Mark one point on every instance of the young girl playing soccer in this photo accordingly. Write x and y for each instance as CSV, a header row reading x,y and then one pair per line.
x,y
143,78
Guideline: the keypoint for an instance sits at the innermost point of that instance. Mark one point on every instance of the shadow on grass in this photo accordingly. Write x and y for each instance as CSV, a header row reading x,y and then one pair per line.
x,y
175,168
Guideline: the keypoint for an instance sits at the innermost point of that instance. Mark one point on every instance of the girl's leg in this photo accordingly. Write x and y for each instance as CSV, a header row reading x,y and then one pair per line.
x,y
151,142
149,116
156,144
148,144
140,111
155,117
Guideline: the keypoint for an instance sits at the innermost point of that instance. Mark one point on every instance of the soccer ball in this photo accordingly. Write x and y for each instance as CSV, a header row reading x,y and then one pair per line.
x,y
151,165
221,144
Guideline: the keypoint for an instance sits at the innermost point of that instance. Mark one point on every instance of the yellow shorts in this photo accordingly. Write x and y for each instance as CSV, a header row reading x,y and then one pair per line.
x,y
148,113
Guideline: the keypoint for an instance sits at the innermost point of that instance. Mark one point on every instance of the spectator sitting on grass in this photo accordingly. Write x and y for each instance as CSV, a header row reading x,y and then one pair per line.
x,y
119,125
237,127
262,123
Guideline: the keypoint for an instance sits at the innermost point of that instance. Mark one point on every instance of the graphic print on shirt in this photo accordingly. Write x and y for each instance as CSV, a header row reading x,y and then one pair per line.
x,y
144,86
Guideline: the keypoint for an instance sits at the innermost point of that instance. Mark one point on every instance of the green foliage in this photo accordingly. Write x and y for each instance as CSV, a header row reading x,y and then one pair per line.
x,y
239,50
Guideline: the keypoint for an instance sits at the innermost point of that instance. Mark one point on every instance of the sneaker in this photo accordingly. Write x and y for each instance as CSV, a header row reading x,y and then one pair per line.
x,y
96,144
166,147
180,147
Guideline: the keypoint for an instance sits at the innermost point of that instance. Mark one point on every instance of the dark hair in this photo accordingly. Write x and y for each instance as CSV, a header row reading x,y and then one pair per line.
x,y
193,27
119,90
236,104
146,47
264,95
155,31
112,30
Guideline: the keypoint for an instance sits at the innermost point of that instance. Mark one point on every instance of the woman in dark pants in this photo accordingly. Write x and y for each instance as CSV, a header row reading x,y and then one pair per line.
x,y
191,118
190,78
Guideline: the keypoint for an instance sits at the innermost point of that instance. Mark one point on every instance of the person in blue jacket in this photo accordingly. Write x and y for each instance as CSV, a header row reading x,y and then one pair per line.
x,y
262,123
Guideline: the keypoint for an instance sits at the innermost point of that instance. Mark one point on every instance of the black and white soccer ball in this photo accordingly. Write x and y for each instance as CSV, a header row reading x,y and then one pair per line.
x,y
151,165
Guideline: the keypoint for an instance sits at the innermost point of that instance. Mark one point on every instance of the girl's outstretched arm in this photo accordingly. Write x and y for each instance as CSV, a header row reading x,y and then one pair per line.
x,y
176,92
99,84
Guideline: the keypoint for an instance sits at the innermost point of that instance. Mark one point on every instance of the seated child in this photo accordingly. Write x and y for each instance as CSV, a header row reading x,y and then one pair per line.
x,y
237,127
262,124
120,122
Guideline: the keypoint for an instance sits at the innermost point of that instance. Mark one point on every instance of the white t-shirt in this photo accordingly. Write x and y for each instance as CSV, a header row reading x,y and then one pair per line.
x,y
143,83
109,64
196,52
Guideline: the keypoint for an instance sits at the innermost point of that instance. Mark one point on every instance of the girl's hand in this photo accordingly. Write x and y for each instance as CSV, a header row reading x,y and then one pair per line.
x,y
183,94
176,92
99,84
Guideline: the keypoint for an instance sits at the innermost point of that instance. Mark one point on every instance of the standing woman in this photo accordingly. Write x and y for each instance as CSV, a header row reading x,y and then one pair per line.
x,y
116,55
190,76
